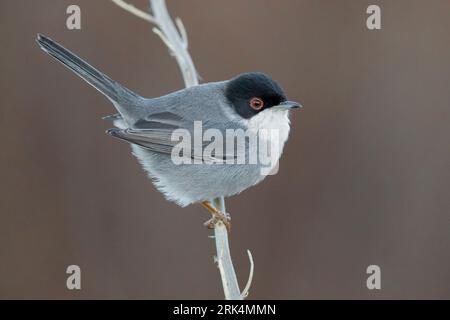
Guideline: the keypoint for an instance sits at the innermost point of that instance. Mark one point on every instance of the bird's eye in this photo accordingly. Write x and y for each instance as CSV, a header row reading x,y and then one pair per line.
x,y
256,103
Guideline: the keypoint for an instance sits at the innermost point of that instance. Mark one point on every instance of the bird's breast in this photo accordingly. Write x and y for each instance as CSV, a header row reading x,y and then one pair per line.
x,y
271,121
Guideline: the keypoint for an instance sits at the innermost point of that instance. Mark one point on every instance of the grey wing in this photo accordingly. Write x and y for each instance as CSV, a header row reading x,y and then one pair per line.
x,y
155,140
152,133
155,133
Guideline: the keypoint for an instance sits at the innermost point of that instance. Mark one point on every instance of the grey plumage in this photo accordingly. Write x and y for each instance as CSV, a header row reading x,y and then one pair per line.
x,y
148,124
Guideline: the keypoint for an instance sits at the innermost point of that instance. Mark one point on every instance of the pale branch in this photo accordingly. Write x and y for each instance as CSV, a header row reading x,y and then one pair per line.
x,y
246,290
164,39
135,11
177,40
224,263
183,32
174,36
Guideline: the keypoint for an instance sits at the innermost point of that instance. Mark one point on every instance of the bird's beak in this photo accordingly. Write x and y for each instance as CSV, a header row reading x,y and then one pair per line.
x,y
290,105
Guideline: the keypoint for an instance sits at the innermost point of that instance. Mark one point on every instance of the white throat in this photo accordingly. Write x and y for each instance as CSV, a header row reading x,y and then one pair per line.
x,y
273,118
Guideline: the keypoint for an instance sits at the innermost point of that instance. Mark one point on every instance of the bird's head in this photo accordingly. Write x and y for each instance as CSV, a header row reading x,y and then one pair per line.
x,y
254,92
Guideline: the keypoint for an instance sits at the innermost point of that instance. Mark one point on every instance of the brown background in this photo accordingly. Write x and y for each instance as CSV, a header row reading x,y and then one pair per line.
x,y
364,179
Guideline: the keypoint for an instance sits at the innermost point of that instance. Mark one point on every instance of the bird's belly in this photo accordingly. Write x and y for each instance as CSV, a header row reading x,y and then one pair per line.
x,y
190,183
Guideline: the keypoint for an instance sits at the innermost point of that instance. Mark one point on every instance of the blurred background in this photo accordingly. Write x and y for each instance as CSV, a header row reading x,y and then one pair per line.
x,y
364,179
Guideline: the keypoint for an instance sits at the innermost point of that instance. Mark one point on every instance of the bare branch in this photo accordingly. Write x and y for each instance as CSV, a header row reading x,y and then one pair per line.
x,y
164,39
183,32
224,263
135,11
250,276
177,40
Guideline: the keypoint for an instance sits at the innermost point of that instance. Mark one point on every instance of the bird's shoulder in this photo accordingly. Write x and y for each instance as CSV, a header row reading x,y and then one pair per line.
x,y
205,102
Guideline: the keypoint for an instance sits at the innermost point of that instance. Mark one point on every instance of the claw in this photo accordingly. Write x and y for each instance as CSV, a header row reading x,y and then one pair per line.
x,y
217,217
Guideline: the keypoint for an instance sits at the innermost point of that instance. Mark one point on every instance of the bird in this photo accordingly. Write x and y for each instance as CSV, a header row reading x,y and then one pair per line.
x,y
250,102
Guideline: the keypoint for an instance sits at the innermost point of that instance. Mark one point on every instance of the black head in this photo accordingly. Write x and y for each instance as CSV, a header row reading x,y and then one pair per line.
x,y
251,93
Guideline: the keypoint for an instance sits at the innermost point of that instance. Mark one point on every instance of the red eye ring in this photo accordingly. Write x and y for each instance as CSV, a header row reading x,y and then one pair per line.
x,y
256,103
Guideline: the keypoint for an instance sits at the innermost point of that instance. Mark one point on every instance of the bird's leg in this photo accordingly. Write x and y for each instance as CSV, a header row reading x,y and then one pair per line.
x,y
216,216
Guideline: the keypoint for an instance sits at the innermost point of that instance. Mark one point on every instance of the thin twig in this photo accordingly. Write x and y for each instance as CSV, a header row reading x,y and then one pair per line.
x,y
164,39
177,44
250,276
224,263
135,11
183,32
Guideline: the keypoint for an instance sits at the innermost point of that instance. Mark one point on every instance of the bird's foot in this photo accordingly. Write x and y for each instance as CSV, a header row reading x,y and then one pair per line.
x,y
217,217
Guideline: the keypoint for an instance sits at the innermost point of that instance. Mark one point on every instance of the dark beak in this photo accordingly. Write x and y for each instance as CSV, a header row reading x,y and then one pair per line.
x,y
290,105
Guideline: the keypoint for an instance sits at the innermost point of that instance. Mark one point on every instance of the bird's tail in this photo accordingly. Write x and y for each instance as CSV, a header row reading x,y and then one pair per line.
x,y
117,93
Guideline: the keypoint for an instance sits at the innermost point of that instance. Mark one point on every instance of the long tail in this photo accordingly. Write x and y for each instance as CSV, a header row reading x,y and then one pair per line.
x,y
118,94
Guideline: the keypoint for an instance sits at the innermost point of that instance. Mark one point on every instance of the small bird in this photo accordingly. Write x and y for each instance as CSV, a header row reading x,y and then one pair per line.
x,y
248,102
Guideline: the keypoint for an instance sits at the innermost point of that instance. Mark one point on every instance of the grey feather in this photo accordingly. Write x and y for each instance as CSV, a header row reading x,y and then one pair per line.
x,y
113,117
127,102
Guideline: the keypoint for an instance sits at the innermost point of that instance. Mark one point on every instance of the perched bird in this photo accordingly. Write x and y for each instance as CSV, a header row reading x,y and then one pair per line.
x,y
249,102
